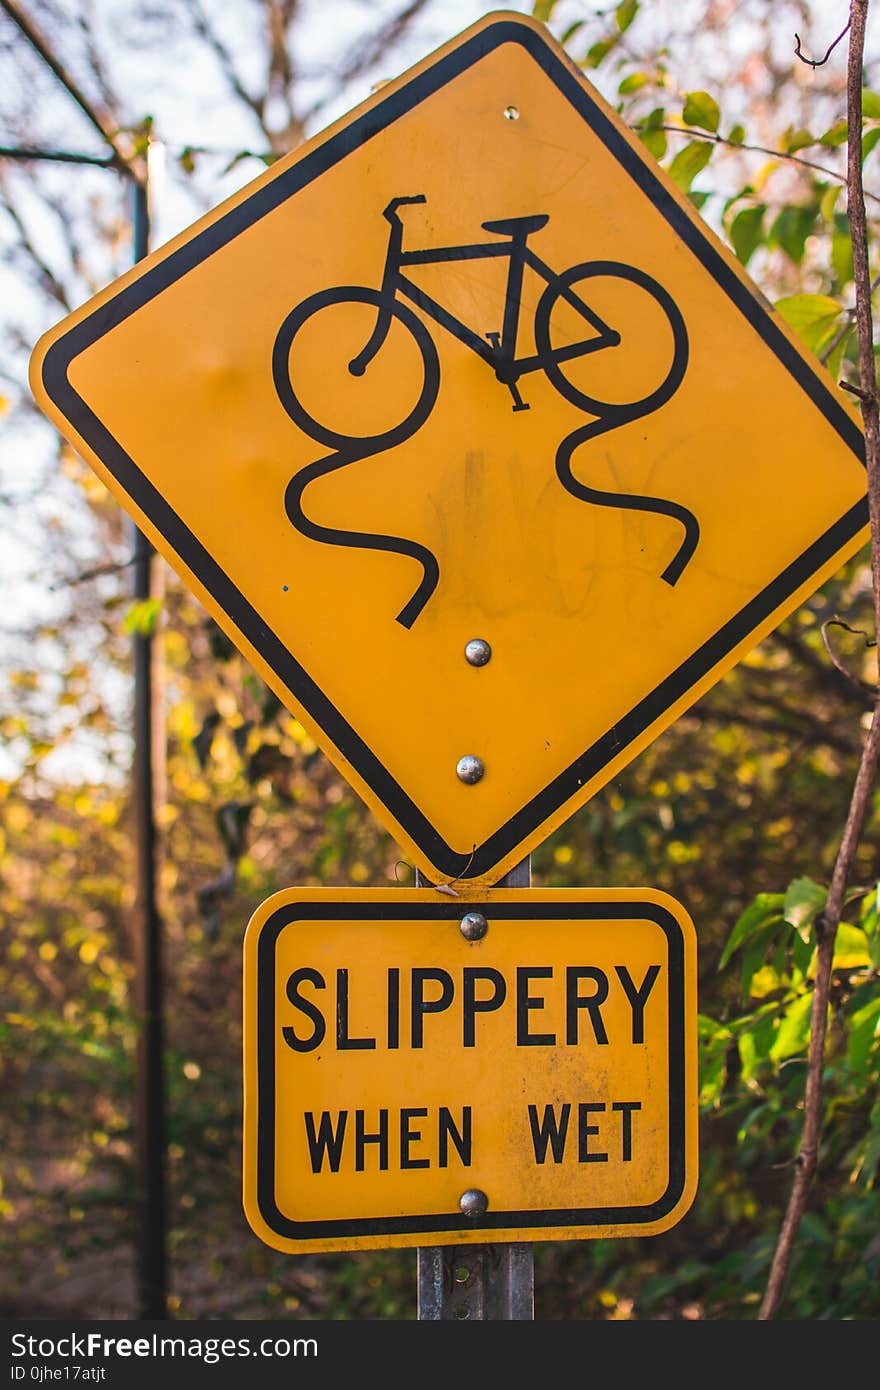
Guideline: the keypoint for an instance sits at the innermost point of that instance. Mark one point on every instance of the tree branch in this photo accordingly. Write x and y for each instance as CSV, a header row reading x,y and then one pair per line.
x,y
818,62
855,681
826,928
225,60
46,276
125,155
694,134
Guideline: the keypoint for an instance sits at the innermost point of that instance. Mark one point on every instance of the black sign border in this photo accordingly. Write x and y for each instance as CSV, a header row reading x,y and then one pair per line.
x,y
514,833
584,1219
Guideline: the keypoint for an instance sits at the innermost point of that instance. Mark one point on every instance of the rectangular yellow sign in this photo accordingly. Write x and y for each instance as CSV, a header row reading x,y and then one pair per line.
x,y
422,1070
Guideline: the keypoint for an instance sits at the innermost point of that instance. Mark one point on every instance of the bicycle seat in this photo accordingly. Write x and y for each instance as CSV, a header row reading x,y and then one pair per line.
x,y
513,226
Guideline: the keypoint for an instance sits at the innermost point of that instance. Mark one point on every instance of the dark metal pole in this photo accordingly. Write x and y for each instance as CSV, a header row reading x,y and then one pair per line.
x,y
149,1079
479,1282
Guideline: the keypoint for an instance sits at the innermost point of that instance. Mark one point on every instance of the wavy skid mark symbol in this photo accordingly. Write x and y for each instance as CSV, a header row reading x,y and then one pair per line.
x,y
611,417
364,540
347,449
351,449
627,501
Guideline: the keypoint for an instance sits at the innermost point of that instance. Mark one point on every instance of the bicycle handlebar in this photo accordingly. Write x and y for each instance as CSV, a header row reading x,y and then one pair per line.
x,y
391,211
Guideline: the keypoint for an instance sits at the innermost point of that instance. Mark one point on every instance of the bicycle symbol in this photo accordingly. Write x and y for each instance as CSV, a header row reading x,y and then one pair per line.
x,y
498,351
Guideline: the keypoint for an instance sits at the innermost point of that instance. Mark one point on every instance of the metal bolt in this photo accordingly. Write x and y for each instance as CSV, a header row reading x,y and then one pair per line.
x,y
469,768
478,652
474,926
474,1203
511,113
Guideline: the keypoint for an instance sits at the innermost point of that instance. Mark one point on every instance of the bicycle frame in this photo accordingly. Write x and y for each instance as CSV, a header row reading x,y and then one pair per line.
x,y
498,350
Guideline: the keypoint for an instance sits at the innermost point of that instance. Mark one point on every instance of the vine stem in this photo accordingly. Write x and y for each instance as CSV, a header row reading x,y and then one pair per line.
x,y
827,925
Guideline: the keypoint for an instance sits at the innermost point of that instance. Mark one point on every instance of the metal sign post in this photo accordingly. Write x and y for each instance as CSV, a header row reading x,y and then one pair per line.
x,y
148,985
479,1283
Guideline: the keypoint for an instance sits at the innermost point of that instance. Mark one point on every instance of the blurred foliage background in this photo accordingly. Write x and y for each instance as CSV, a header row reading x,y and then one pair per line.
x,y
737,810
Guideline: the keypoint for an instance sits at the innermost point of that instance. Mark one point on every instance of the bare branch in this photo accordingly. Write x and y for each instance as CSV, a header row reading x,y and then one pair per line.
x,y
225,60
85,22
368,52
828,676
818,62
826,928
838,664
45,275
280,15
125,154
808,733
97,573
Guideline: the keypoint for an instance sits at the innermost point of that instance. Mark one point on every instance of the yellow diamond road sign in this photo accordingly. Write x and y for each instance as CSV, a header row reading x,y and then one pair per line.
x,y
473,437
405,1085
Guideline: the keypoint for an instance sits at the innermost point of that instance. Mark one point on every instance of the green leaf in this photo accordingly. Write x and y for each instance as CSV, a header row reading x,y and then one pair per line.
x,y
794,1030
754,956
736,135
842,252
238,158
814,317
626,13
702,110
543,10
804,897
794,140
871,911
863,1035
829,201
869,140
141,617
746,231
754,1046
870,104
635,82
791,229
714,1042
654,140
835,136
802,953
689,162
803,310
765,907
598,51
850,948
870,1158
571,31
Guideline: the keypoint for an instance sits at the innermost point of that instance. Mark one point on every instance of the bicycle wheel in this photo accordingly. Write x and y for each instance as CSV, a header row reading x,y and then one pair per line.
x,y
647,358
321,353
